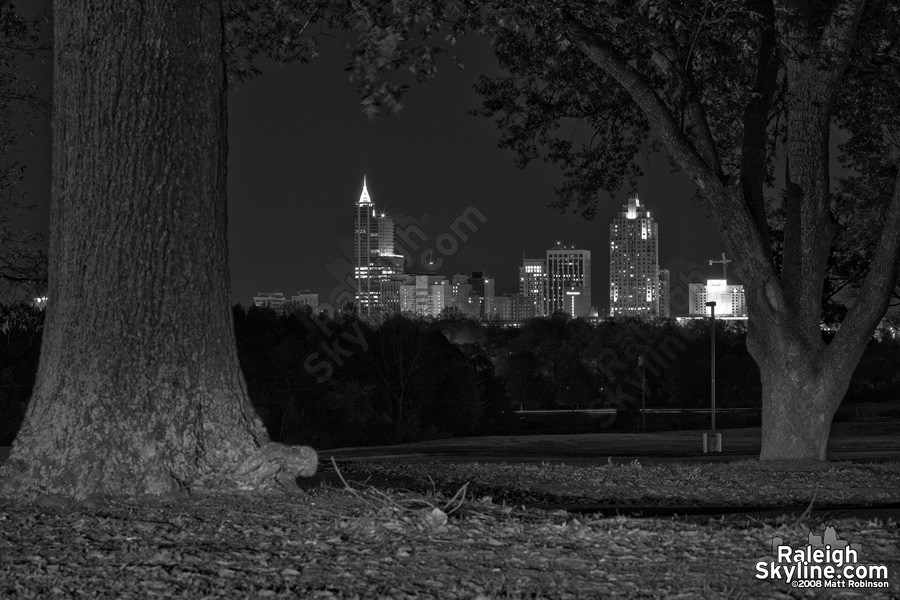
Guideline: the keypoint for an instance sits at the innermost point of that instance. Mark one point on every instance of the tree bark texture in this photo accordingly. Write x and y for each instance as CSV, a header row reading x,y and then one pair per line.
x,y
139,389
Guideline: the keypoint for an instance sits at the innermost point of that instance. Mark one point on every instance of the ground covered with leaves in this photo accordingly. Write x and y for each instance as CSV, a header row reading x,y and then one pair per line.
x,y
359,541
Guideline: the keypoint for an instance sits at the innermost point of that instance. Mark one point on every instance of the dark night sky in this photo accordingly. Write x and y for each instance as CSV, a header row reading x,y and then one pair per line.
x,y
299,147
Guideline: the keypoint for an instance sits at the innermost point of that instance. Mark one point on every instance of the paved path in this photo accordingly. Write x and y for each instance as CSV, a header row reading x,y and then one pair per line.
x,y
356,454
651,448
365,454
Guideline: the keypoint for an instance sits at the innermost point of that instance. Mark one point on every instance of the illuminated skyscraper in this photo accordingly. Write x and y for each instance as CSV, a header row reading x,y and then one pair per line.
x,y
375,260
569,281
634,281
533,286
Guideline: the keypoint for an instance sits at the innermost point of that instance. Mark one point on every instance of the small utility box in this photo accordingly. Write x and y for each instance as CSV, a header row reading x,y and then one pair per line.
x,y
712,442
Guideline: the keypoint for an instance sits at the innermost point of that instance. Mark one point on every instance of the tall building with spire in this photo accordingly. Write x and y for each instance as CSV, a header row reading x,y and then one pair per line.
x,y
634,277
374,258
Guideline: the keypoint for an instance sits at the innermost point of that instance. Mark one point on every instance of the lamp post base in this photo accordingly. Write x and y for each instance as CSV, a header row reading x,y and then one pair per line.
x,y
712,442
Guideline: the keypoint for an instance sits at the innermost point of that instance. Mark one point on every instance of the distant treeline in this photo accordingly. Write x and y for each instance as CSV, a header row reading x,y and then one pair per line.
x,y
341,382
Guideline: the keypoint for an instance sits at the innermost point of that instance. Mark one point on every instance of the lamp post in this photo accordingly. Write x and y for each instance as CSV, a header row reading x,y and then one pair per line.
x,y
712,337
643,394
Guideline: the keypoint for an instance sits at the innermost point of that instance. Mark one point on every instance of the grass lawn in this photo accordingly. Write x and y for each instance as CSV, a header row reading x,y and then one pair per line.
x,y
845,437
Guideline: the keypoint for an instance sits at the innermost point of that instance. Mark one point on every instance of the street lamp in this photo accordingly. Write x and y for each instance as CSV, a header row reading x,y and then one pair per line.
x,y
643,394
712,337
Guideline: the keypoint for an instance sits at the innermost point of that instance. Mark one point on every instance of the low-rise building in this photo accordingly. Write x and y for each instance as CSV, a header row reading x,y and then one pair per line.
x,y
424,295
303,300
273,300
729,299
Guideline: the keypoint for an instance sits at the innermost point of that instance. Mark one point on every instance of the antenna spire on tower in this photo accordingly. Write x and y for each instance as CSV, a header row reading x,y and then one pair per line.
x,y
364,196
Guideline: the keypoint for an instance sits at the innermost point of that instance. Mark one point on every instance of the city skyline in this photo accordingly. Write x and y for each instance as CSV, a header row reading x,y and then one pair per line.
x,y
429,181
296,160
377,269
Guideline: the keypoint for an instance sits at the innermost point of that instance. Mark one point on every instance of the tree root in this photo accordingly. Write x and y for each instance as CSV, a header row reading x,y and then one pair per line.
x,y
276,464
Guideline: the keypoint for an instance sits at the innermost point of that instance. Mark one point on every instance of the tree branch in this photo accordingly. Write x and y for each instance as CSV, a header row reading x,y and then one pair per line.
x,y
754,144
608,58
814,66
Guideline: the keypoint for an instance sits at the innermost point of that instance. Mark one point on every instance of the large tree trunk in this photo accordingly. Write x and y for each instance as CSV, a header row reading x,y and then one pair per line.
x,y
802,382
799,396
797,411
139,389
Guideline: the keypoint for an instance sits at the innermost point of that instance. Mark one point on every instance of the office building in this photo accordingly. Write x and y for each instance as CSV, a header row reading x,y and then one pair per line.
x,y
665,310
389,292
634,281
424,295
273,300
502,308
523,308
533,285
303,300
568,281
374,256
483,287
463,298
